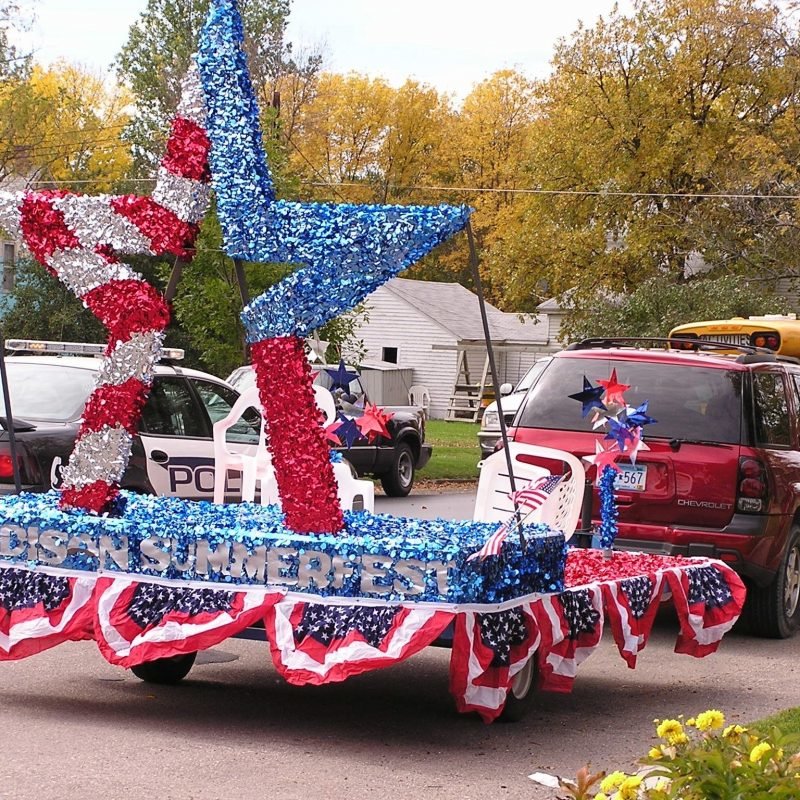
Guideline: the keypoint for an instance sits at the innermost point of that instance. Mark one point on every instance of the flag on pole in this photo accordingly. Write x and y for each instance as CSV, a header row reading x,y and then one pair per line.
x,y
536,492
530,498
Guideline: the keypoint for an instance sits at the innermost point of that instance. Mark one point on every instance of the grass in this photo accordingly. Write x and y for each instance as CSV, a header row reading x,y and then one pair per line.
x,y
788,721
455,450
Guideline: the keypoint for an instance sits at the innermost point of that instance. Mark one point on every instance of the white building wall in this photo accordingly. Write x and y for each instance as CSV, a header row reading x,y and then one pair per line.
x,y
394,323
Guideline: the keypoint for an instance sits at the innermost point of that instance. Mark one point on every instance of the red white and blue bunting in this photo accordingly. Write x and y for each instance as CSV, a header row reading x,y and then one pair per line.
x,y
316,640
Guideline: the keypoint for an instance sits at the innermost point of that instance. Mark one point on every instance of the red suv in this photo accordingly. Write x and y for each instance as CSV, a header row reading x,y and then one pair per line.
x,y
721,477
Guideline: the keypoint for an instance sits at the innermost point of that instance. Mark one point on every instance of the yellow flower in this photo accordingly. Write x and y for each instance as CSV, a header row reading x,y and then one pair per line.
x,y
612,781
733,732
601,796
655,753
757,753
691,722
630,787
668,729
710,720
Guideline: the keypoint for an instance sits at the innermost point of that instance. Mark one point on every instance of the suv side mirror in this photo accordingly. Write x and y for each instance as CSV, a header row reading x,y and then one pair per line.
x,y
506,388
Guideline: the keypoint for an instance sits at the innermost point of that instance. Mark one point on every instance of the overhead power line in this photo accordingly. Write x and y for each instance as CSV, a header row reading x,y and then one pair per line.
x,y
478,190
580,192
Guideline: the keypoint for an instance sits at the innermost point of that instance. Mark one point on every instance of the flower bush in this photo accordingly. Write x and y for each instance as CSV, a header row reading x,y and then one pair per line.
x,y
703,759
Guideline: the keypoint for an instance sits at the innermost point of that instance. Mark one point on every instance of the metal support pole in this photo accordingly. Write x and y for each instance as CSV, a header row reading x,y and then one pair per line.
x,y
241,279
174,277
473,260
12,439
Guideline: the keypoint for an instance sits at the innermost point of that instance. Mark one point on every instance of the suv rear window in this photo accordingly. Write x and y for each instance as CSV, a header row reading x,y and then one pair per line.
x,y
695,403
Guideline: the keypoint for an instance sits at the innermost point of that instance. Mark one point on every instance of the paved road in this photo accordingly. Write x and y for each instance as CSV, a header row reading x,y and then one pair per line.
x,y
71,726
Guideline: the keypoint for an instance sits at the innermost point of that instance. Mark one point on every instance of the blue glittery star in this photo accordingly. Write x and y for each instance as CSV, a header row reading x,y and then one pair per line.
x,y
346,251
340,377
589,397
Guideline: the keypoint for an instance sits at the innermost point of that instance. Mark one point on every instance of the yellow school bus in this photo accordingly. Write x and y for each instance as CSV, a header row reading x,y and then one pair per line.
x,y
777,332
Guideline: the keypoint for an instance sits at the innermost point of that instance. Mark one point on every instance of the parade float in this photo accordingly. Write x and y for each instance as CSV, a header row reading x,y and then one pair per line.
x,y
335,593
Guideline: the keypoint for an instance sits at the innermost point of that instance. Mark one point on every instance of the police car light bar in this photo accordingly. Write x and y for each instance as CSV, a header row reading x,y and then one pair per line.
x,y
75,348
41,346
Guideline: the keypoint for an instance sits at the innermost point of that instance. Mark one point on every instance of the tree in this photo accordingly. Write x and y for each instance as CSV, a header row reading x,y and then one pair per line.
x,y
486,146
39,307
643,118
657,305
160,45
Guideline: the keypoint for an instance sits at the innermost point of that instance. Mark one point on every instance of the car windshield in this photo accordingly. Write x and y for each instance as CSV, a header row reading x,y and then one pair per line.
x,y
50,392
693,403
531,375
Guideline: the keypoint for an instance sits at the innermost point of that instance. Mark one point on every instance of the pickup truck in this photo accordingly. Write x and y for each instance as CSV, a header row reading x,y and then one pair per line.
x,y
395,460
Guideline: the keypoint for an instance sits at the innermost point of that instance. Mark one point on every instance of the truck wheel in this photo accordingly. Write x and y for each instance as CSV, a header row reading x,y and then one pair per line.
x,y
774,610
521,694
165,670
397,482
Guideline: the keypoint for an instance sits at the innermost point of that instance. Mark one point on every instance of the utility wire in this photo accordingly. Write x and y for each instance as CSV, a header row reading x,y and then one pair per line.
x,y
478,190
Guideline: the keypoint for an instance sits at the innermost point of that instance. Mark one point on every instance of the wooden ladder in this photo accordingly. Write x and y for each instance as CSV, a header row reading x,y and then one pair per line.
x,y
466,399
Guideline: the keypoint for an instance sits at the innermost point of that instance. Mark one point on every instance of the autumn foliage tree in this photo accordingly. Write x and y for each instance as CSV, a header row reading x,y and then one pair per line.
x,y
644,122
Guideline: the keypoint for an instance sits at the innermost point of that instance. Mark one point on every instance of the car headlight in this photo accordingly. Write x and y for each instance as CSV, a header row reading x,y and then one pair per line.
x,y
490,420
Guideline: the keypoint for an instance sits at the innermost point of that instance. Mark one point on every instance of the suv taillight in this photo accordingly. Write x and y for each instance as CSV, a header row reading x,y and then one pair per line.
x,y
751,495
6,467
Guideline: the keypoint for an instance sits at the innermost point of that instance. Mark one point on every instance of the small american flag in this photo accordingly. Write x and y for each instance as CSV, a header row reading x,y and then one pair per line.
x,y
535,493
530,498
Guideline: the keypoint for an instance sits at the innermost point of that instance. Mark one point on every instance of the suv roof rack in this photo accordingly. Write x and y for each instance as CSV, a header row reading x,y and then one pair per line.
x,y
750,353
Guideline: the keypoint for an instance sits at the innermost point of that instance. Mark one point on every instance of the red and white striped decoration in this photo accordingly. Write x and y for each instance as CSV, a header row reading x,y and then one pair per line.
x,y
79,239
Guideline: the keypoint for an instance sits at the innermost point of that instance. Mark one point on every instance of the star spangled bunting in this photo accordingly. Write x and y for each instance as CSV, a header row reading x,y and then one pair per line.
x,y
531,498
314,643
39,611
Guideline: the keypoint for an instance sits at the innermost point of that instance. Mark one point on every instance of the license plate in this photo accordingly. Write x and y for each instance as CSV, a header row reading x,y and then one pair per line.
x,y
630,478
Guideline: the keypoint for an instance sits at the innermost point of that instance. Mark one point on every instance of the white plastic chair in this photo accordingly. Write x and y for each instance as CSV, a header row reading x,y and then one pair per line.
x,y
561,510
256,467
351,488
418,395
326,403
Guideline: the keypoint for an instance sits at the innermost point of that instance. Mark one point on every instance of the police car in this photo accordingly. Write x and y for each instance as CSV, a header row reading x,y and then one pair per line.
x,y
173,453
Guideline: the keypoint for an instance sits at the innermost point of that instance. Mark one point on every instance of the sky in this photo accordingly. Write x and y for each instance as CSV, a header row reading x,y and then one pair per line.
x,y
449,44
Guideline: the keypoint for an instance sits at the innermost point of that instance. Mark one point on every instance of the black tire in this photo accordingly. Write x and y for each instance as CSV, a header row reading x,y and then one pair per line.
x,y
773,611
522,693
165,670
397,482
